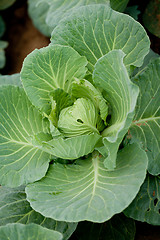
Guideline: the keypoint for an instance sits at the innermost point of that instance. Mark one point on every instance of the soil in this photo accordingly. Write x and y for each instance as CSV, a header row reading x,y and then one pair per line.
x,y
23,38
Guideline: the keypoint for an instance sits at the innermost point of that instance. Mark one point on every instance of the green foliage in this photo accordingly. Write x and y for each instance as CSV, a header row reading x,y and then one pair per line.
x,y
2,27
52,67
15,208
17,231
6,3
86,190
20,161
79,119
119,5
133,11
95,30
119,227
13,79
3,45
85,89
46,15
64,119
151,17
146,205
38,10
146,125
111,75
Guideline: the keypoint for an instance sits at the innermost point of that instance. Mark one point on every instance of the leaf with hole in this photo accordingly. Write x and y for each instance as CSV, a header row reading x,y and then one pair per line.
x,y
145,128
146,205
79,119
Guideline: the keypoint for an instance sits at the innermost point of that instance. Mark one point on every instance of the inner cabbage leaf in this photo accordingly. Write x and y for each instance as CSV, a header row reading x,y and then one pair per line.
x,y
79,119
85,89
60,99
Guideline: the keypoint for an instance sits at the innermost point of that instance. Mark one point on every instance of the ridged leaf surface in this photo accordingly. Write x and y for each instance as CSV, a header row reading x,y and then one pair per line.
x,y
146,125
17,231
50,68
20,161
86,190
14,208
111,75
146,205
95,30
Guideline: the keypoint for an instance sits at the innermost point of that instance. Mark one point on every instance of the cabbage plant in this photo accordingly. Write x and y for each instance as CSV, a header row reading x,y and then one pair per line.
x,y
47,14
77,133
6,3
3,44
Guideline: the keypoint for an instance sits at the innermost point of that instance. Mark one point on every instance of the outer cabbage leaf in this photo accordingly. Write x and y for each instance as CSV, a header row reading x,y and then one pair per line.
x,y
146,205
146,125
111,75
119,227
20,161
17,231
70,148
79,119
15,208
47,14
38,10
95,30
119,5
49,68
6,3
13,79
60,9
86,190
150,56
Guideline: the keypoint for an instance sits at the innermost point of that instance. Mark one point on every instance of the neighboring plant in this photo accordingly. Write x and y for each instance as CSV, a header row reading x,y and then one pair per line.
x,y
6,3
133,11
3,44
151,17
47,14
79,132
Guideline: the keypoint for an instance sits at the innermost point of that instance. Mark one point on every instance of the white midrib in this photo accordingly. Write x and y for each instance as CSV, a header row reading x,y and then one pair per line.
x,y
145,120
95,169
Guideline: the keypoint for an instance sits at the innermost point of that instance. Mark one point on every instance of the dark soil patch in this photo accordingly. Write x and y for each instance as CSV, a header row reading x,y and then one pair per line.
x,y
22,36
